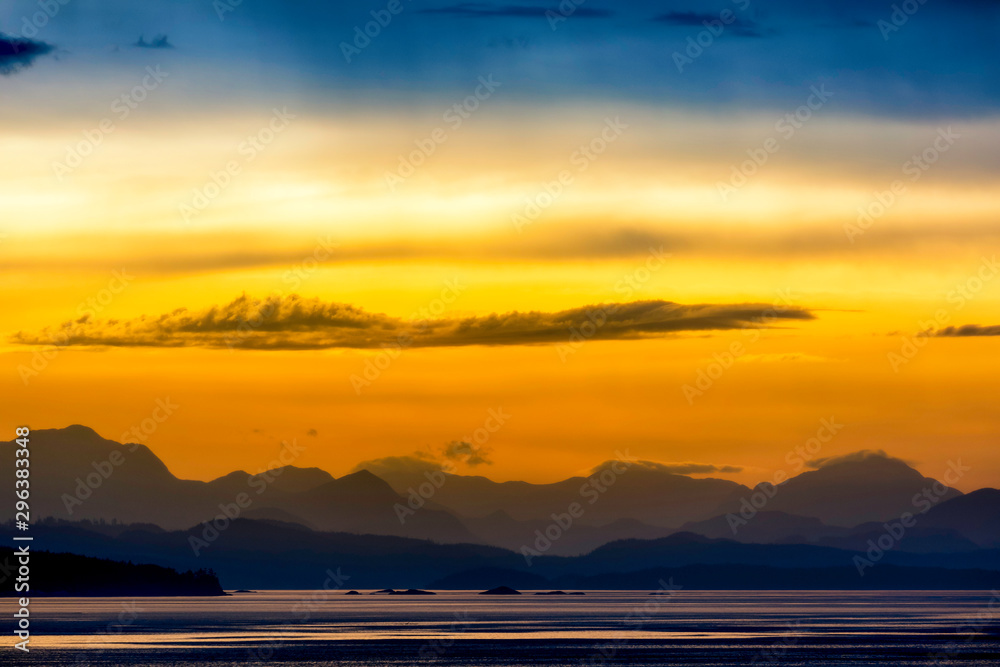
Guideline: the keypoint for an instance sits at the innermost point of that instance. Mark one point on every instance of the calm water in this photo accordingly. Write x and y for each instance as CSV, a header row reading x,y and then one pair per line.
x,y
454,628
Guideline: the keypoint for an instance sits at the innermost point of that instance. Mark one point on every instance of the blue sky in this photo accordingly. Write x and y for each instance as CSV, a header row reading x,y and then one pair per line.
x,y
941,62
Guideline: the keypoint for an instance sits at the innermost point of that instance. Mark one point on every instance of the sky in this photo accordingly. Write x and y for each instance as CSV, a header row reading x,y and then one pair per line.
x,y
692,231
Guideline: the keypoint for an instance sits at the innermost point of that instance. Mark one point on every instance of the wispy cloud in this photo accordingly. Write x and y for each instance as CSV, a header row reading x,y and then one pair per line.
x,y
467,453
387,467
295,323
969,330
17,53
854,457
418,463
483,9
225,251
738,26
158,42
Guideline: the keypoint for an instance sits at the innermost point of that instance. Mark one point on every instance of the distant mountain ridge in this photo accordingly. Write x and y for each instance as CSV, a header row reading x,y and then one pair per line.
x,y
245,556
653,497
77,474
854,491
844,493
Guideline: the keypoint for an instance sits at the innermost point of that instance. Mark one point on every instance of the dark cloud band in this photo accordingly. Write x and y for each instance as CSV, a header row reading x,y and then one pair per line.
x,y
969,330
481,9
16,53
295,323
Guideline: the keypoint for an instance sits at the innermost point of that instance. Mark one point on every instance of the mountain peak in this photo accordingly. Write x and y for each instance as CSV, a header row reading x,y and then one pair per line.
x,y
304,477
72,438
863,459
855,488
363,475
364,483
79,432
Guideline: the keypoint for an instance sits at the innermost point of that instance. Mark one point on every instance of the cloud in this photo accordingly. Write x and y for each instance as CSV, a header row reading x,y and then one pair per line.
x,y
388,467
295,323
222,251
419,463
685,468
969,330
738,26
855,457
17,53
482,9
467,453
158,42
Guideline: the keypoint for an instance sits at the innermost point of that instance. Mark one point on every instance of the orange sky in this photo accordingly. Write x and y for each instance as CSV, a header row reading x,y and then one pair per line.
x,y
322,184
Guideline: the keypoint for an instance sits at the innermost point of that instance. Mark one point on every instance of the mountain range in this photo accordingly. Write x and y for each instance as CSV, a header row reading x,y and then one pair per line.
x,y
77,474
112,500
265,554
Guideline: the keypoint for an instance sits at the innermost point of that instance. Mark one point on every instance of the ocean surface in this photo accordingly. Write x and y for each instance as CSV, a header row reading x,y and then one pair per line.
x,y
463,628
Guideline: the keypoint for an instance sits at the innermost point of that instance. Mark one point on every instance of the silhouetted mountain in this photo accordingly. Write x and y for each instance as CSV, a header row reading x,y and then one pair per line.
x,y
500,530
855,490
766,528
840,493
976,516
276,515
782,528
362,503
641,493
683,549
70,575
286,479
916,539
76,474
266,555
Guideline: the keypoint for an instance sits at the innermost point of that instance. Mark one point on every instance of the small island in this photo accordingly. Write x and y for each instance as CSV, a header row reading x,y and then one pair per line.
x,y
352,593
501,590
558,593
